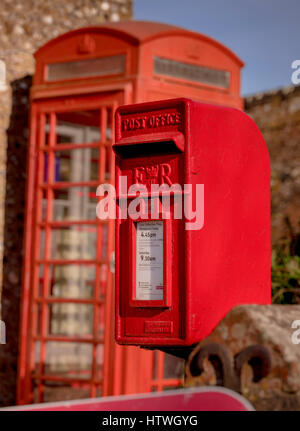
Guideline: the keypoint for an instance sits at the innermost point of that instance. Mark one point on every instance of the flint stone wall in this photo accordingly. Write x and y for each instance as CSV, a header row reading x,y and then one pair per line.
x,y
277,114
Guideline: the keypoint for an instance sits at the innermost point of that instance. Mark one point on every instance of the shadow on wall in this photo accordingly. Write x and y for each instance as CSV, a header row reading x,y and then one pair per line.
x,y
17,141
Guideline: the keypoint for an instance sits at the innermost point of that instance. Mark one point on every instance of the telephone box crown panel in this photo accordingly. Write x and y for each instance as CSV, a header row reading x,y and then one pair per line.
x,y
160,61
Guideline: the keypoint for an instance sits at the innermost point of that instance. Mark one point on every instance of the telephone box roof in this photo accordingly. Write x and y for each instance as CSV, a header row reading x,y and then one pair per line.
x,y
139,32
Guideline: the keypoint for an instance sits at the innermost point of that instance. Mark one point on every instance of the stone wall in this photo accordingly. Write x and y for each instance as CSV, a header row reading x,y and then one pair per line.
x,y
277,114
254,350
25,25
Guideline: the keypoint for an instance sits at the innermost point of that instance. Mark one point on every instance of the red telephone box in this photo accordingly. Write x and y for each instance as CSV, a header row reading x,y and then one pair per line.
x,y
81,78
206,247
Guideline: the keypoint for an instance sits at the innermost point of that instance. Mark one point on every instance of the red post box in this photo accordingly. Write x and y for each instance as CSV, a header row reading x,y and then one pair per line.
x,y
193,220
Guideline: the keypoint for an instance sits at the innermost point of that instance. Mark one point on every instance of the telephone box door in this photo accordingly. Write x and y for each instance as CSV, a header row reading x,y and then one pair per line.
x,y
68,283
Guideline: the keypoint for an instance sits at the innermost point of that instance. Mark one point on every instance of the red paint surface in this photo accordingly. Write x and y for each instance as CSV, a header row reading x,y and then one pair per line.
x,y
211,270
201,399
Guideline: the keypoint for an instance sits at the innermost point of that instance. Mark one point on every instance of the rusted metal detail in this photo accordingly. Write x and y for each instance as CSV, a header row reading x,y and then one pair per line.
x,y
228,369
258,357
221,359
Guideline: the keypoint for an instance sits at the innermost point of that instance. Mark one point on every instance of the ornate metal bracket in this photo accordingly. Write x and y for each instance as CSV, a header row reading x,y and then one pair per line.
x,y
228,368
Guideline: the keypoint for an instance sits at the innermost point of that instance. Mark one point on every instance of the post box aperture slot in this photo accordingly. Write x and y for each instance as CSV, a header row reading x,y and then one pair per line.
x,y
150,283
146,149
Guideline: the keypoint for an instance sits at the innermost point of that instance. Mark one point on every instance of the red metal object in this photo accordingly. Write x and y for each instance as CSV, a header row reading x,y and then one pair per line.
x,y
31,368
223,260
195,399
81,78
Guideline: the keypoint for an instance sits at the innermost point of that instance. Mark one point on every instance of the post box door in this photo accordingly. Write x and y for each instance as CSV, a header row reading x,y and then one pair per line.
x,y
152,268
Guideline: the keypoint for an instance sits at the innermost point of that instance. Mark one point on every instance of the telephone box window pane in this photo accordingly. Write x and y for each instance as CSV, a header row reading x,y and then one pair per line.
x,y
104,241
72,243
57,391
71,319
103,278
77,127
69,281
75,203
191,72
76,165
149,260
66,359
44,203
113,65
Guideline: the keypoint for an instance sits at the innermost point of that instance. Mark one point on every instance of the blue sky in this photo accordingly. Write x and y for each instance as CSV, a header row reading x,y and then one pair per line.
x,y
265,34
